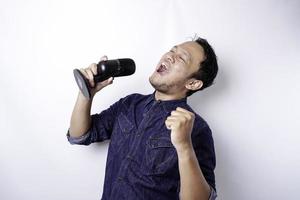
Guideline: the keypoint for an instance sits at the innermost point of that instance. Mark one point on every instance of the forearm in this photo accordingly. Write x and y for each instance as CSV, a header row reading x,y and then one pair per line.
x,y
81,116
192,181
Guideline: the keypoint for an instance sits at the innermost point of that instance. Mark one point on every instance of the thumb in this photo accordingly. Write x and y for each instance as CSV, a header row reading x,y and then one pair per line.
x,y
102,84
103,58
168,124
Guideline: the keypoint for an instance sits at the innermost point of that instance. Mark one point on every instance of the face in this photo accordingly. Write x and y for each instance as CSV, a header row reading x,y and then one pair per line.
x,y
173,71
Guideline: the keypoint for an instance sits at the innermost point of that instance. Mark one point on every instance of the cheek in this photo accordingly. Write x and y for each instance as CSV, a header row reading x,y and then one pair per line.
x,y
181,70
179,76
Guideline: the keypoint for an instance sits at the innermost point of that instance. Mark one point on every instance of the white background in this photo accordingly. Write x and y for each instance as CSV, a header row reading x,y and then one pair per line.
x,y
252,109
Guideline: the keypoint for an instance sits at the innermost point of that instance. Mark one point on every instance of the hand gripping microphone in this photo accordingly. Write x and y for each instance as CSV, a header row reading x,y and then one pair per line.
x,y
105,70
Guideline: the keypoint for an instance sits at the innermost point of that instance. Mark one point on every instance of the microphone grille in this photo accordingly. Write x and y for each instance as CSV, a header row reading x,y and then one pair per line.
x,y
128,65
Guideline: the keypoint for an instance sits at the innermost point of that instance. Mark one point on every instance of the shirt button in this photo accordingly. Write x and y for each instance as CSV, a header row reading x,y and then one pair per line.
x,y
120,178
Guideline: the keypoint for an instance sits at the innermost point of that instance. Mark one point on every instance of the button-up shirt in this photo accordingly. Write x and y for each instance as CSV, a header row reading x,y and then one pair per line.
x,y
142,162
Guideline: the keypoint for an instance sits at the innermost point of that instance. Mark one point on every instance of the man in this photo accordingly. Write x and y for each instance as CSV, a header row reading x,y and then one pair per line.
x,y
159,147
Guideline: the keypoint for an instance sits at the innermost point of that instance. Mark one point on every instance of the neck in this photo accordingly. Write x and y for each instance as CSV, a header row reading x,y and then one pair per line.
x,y
166,97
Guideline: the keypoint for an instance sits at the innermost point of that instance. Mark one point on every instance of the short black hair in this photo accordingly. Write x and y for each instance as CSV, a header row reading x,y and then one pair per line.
x,y
208,68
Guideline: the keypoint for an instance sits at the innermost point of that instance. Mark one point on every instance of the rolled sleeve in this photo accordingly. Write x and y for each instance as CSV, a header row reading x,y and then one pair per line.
x,y
77,140
101,127
213,194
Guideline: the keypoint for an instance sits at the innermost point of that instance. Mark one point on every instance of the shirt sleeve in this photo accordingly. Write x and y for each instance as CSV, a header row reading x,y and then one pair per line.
x,y
101,127
213,194
204,149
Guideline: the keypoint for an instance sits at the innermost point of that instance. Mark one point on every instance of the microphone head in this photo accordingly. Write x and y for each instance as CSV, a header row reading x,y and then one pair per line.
x,y
127,67
105,69
82,83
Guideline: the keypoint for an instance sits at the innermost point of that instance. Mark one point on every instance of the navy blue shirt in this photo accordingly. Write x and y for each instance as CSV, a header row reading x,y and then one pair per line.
x,y
142,162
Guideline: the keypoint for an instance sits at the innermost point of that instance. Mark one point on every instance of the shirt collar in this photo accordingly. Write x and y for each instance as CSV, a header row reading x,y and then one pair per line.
x,y
168,105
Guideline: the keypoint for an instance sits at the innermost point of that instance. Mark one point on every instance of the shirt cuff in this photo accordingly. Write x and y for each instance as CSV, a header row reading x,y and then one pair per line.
x,y
77,140
213,194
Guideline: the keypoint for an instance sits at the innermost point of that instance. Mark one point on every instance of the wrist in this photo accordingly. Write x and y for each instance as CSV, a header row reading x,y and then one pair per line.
x,y
82,98
185,149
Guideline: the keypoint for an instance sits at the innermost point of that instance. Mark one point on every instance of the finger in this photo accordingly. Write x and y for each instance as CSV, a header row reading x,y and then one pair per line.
x,y
104,83
171,121
103,58
174,118
179,109
186,113
84,73
108,81
176,113
93,67
169,127
91,77
168,124
177,121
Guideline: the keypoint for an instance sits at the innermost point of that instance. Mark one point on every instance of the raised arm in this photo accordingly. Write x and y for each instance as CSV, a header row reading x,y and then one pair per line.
x,y
81,115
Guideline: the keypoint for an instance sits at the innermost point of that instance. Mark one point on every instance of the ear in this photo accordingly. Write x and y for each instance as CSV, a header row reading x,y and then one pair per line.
x,y
193,84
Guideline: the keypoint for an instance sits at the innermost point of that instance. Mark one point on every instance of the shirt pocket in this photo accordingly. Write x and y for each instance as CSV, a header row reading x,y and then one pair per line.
x,y
160,156
121,133
125,125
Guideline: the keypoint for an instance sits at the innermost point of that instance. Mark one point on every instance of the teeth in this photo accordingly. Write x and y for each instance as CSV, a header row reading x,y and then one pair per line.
x,y
162,67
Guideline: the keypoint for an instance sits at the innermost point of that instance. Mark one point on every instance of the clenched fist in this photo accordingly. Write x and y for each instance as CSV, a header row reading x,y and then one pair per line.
x,y
181,122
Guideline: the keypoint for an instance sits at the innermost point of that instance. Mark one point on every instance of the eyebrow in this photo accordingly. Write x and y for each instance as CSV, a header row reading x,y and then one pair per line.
x,y
184,52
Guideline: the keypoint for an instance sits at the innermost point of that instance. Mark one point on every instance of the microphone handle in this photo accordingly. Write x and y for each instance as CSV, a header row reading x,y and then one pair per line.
x,y
107,69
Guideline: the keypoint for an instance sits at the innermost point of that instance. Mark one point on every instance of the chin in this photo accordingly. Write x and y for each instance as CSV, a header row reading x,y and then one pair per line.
x,y
154,80
161,87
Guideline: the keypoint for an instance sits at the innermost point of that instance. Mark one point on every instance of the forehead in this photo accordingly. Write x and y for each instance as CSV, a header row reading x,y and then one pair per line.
x,y
194,50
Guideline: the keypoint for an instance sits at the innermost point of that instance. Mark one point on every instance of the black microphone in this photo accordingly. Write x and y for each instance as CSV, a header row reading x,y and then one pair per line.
x,y
105,70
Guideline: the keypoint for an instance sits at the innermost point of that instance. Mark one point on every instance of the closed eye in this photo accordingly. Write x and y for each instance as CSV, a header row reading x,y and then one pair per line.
x,y
180,57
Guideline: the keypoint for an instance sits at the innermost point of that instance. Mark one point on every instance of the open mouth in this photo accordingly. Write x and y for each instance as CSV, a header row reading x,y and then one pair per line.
x,y
162,68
